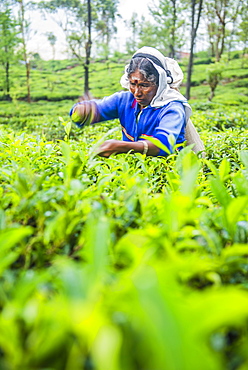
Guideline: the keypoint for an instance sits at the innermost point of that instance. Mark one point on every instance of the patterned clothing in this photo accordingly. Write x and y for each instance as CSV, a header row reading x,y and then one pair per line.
x,y
157,122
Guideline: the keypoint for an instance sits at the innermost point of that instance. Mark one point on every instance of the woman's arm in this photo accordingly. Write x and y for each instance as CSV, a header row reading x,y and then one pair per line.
x,y
117,146
92,111
84,113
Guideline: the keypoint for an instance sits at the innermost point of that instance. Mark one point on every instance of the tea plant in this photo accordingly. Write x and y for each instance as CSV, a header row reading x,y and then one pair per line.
x,y
135,230
124,263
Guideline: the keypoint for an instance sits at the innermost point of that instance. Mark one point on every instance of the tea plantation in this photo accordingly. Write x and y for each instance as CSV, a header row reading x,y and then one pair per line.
x,y
125,263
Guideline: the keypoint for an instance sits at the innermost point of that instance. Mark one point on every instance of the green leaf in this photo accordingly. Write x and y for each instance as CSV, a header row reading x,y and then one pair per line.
x,y
158,143
234,211
244,157
9,242
68,128
224,169
220,191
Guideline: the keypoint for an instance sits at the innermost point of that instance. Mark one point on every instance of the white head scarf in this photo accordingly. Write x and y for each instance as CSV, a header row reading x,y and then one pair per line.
x,y
166,89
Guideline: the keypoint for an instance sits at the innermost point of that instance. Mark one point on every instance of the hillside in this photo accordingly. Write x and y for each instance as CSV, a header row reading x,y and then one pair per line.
x,y
61,80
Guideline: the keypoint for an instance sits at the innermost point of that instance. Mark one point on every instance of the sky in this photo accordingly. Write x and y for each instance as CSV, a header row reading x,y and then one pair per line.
x,y
38,42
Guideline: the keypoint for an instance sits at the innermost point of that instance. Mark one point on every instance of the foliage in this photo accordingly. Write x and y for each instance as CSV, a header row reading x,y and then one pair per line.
x,y
214,74
127,262
64,80
220,14
196,12
169,25
142,30
75,22
8,42
243,28
52,40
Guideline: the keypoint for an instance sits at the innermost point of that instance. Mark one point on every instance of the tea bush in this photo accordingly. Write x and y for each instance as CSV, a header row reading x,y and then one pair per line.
x,y
121,263
125,263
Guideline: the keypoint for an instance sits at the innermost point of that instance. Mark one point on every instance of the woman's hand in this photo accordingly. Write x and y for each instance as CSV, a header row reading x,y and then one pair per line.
x,y
109,147
117,146
80,112
84,113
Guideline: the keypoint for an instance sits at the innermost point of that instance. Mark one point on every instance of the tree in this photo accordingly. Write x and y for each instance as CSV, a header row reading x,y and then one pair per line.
x,y
196,10
74,17
214,74
243,27
24,26
106,11
219,14
52,40
243,35
88,51
134,25
169,18
8,43
80,19
148,35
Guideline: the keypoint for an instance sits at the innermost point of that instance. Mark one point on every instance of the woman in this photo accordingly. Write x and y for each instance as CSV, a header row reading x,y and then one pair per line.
x,y
153,107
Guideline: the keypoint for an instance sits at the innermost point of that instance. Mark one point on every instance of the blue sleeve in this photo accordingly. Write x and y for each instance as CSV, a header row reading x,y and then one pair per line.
x,y
98,110
108,107
172,121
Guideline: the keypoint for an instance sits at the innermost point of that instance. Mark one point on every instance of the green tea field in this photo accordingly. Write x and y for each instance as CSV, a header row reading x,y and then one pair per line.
x,y
128,262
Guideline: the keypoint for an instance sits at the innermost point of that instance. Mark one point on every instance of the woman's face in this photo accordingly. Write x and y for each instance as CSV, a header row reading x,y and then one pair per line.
x,y
143,90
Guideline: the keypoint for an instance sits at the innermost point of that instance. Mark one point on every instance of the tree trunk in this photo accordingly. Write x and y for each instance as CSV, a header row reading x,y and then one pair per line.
x,y
172,47
22,21
194,28
88,53
211,95
221,40
213,86
190,68
7,77
28,80
192,42
7,81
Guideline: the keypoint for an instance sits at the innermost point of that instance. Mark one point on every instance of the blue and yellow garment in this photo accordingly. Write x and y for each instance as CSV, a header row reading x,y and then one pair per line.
x,y
157,122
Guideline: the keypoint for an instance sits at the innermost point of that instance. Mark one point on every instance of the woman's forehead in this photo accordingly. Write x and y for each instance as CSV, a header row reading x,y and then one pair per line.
x,y
137,76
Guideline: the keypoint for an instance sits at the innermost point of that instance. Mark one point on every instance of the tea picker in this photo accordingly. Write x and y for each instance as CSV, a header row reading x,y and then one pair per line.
x,y
154,115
